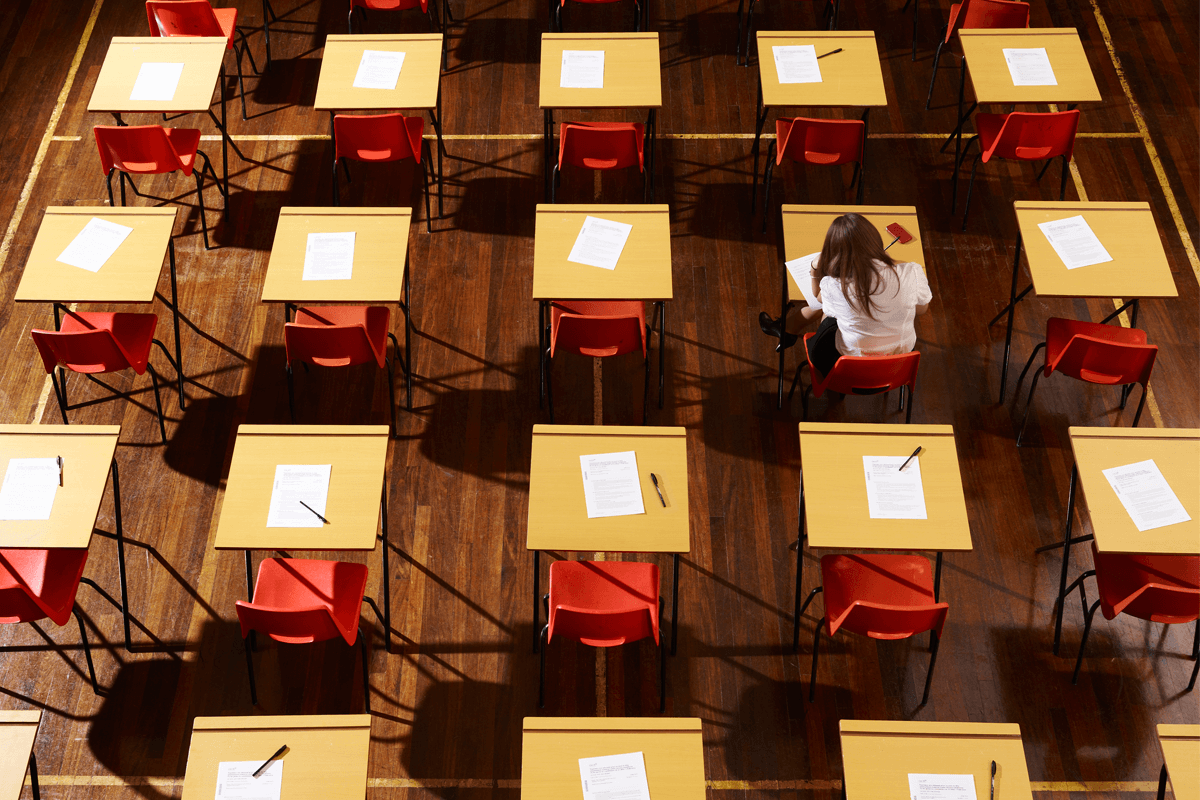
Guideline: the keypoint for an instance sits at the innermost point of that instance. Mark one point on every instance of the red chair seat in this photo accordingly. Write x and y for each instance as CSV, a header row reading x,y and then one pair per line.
x,y
304,600
147,149
603,603
598,327
97,342
378,137
602,145
1159,588
882,596
35,584
1060,332
390,5
338,336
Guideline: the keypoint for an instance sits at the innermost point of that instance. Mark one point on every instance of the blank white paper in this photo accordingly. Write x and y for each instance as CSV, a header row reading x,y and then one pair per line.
x,y
611,487
378,69
600,243
29,488
1146,495
1075,242
891,493
801,270
95,244
236,781
619,777
295,483
941,787
1029,66
582,69
797,63
329,257
156,80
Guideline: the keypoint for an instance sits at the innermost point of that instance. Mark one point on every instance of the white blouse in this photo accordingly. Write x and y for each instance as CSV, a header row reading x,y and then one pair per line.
x,y
896,299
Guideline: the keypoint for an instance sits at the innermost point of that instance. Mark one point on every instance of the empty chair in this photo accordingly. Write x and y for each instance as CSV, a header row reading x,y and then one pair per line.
x,y
93,343
153,150
861,375
602,146
882,596
975,14
598,329
603,604
746,25
827,142
1158,588
556,12
1107,355
343,336
35,584
379,138
198,18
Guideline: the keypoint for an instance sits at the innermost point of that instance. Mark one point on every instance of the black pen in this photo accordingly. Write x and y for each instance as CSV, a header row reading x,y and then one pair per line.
x,y
993,794
278,752
831,52
59,460
654,479
892,242
902,466
310,508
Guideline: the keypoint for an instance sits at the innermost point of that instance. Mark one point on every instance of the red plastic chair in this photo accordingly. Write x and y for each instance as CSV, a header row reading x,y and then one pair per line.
x,y
1158,588
603,604
378,138
598,329
826,142
861,375
343,336
1024,137
94,343
153,150
975,14
299,601
35,584
746,25
396,5
1107,355
602,146
880,596
199,18
556,10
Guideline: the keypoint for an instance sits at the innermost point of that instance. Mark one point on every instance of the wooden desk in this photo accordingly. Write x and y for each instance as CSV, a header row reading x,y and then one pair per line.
x,y
326,758
380,262
643,273
673,749
129,276
877,757
357,483
1181,758
831,463
1128,232
558,517
18,732
88,453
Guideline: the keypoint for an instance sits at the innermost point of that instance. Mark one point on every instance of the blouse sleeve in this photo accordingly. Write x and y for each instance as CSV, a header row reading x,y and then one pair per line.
x,y
919,284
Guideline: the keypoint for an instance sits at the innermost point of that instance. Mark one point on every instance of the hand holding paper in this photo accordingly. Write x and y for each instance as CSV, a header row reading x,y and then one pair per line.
x,y
801,270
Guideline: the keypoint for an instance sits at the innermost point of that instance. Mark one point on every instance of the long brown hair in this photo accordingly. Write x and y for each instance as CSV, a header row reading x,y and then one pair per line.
x,y
852,248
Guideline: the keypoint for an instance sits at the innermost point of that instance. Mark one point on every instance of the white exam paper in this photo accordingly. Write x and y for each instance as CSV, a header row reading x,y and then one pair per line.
x,y
941,787
600,242
1146,495
236,781
1029,66
293,483
797,63
582,69
611,487
378,69
95,244
892,494
329,257
29,488
619,777
801,270
1075,242
156,81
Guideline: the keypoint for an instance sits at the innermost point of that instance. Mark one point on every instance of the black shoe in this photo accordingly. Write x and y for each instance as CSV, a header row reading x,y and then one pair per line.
x,y
769,325
786,341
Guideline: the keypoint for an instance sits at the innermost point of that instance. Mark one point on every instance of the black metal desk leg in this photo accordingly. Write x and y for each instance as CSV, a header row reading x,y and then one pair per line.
x,y
537,584
937,577
799,572
542,346
675,606
387,573
1012,310
249,577
175,319
435,116
547,150
266,7
760,118
652,124
224,148
1162,783
1062,580
121,552
408,359
783,309
662,349
37,791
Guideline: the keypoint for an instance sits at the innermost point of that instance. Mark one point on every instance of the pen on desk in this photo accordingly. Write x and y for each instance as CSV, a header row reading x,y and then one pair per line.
x,y
310,508
902,466
59,460
275,755
654,479
993,794
831,52
892,242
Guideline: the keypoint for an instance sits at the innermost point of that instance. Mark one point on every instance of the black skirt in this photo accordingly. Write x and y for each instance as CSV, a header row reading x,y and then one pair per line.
x,y
822,346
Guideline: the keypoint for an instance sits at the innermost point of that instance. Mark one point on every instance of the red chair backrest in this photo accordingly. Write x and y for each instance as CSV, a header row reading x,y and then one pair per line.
x,y
1159,588
329,345
140,149
1105,362
182,18
295,625
866,374
613,145
880,621
991,14
602,628
92,351
819,141
1036,136
378,137
390,5
39,583
596,336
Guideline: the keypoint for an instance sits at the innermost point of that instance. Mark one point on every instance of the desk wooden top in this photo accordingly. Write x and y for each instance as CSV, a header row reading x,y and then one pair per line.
x,y
129,276
984,51
326,757
1181,751
558,517
643,271
87,453
835,491
358,454
18,731
380,254
418,84
852,77
632,73
201,58
1128,232
1176,452
878,757
673,749
804,230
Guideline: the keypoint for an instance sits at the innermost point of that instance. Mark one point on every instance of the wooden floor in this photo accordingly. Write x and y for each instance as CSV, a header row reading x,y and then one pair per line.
x,y
450,701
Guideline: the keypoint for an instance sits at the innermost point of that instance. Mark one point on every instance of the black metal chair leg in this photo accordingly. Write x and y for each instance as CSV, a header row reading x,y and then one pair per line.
x,y
932,661
1087,628
550,383
336,198
291,392
1029,363
812,678
912,401
108,182
428,208
662,660
1062,186
33,777
808,600
199,173
60,395
1141,405
542,670
87,649
162,427
391,394
250,670
1162,782
366,665
1028,405
937,56
767,185
970,186
1192,683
